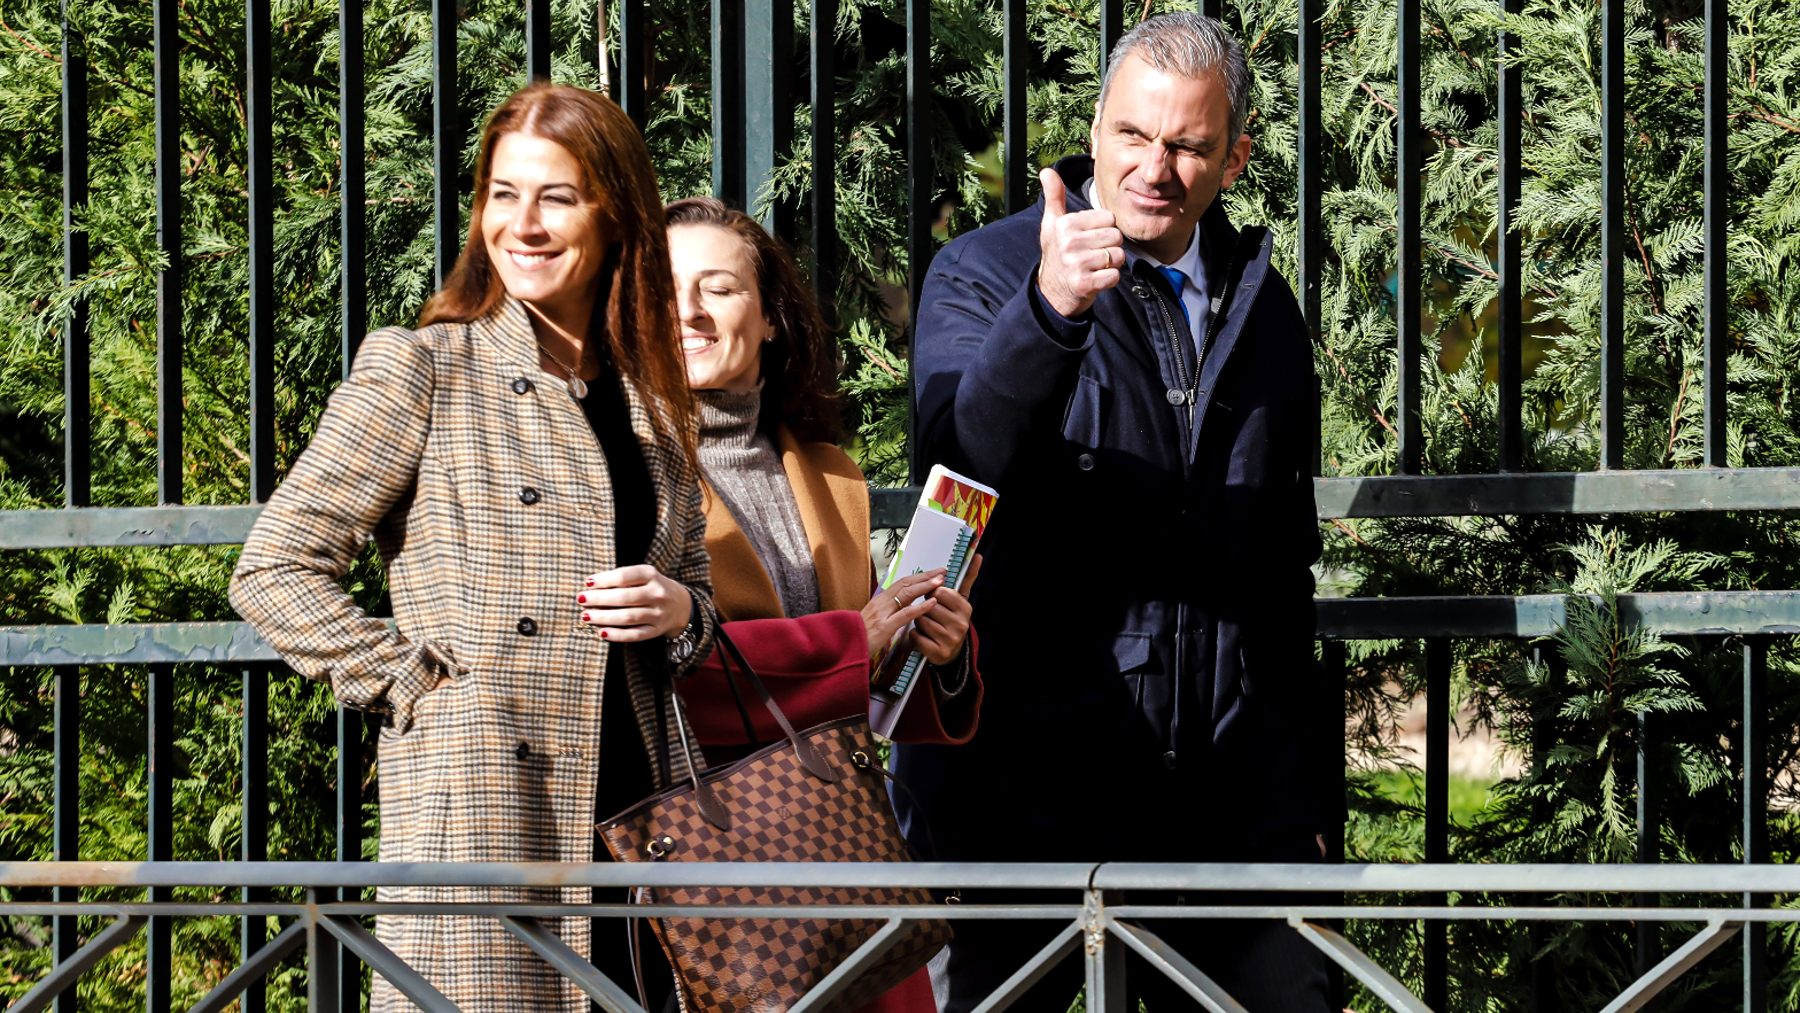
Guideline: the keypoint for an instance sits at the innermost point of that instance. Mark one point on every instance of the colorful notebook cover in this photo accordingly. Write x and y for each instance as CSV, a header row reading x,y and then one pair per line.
x,y
953,512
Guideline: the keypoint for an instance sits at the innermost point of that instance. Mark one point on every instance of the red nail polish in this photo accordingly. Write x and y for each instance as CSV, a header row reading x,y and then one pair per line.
x,y
581,599
602,634
590,582
584,617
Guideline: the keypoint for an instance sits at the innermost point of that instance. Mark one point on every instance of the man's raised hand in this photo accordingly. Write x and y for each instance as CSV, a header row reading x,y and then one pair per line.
x,y
1080,254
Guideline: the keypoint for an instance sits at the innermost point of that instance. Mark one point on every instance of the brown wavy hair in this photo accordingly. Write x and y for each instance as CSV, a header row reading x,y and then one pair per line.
x,y
638,325
800,363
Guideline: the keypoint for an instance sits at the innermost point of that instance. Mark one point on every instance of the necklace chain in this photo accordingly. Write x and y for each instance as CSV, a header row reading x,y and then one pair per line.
x,y
577,386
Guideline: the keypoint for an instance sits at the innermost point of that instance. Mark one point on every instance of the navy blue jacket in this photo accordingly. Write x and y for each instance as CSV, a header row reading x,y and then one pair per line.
x,y
1146,600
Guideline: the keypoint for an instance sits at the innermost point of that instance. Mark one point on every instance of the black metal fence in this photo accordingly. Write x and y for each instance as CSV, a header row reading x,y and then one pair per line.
x,y
751,129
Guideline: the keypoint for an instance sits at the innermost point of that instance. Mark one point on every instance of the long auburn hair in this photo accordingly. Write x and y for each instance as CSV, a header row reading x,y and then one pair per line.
x,y
638,324
800,362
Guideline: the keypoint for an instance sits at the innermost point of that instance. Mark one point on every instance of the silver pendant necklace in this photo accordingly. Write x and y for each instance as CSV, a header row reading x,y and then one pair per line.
x,y
577,386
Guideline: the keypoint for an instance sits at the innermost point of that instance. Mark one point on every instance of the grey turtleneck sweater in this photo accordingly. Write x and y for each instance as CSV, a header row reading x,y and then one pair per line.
x,y
744,469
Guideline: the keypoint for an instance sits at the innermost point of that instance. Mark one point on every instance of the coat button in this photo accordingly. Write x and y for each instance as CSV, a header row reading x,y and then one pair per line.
x,y
1175,396
1169,759
1085,462
528,495
527,626
522,750
521,386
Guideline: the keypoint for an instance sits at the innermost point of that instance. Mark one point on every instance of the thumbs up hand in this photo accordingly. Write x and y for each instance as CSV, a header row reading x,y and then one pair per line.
x,y
1080,254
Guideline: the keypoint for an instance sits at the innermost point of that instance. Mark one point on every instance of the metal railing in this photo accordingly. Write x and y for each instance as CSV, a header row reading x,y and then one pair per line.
x,y
749,135
1099,923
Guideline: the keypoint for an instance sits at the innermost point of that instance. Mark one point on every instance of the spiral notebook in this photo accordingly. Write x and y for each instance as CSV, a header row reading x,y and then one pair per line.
x,y
953,512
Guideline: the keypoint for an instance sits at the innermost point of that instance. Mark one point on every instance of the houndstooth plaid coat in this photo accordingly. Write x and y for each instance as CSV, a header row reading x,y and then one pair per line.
x,y
486,493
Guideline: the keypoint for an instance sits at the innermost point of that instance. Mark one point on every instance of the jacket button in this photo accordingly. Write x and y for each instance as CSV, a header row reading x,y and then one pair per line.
x,y
527,626
522,750
521,386
1169,759
528,495
1175,396
1085,462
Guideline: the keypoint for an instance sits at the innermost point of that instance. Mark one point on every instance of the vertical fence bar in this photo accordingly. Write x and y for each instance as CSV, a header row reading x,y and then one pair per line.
x,y
1612,237
1753,756
921,203
824,155
66,827
1112,25
78,435
1410,191
728,102
1015,58
1543,739
1648,946
353,294
158,970
1334,670
1437,812
254,839
1717,308
1310,185
768,105
446,137
77,482
166,53
349,839
634,56
537,40
259,81
1512,260
353,323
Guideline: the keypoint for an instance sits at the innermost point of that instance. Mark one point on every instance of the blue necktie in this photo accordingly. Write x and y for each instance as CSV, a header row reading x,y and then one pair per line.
x,y
1178,282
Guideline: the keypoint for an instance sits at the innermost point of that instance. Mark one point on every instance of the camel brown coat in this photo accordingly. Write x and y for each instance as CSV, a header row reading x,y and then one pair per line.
x,y
485,490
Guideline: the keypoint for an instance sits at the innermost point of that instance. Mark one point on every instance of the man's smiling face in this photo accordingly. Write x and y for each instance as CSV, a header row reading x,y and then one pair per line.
x,y
1161,154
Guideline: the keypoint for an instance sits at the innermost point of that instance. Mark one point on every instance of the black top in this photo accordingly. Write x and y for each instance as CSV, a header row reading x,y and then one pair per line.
x,y
625,776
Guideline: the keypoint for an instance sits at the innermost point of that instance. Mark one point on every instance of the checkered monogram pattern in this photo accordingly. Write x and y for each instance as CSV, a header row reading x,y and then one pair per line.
x,y
779,813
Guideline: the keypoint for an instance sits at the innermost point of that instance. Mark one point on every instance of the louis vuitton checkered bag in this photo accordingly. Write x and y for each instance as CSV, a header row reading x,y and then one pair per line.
x,y
817,796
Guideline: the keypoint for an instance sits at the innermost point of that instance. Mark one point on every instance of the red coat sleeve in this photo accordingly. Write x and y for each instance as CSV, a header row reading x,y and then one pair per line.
x,y
817,668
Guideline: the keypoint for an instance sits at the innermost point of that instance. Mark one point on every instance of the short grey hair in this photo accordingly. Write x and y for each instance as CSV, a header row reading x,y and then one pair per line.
x,y
1185,44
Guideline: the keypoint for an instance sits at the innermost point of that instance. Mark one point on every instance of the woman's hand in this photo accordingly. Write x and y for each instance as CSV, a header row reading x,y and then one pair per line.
x,y
893,607
940,632
635,603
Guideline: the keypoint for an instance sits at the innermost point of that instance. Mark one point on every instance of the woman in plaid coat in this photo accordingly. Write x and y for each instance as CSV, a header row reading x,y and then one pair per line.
x,y
787,516
532,437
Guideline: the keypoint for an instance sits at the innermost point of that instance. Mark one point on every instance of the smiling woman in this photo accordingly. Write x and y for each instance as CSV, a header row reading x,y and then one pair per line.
x,y
527,444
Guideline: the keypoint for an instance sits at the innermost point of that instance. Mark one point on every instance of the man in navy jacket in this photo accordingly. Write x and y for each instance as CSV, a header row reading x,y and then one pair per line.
x,y
1136,380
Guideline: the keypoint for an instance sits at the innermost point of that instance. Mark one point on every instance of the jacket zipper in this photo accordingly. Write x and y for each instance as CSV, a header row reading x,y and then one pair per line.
x,y
1188,383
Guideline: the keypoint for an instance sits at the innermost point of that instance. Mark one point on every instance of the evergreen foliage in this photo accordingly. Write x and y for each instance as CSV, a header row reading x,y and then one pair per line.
x,y
1577,707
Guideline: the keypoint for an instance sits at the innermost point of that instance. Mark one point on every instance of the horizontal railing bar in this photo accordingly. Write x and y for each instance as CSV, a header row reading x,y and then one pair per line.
x,y
1580,492
1673,613
1669,491
1670,613
1217,908
1020,875
1224,876
1571,492
363,909
118,527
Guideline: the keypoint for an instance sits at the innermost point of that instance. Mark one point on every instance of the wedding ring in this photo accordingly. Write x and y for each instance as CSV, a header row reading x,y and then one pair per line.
x,y
898,604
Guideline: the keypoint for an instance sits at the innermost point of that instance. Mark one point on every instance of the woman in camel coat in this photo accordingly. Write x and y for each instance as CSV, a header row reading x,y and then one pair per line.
x,y
787,514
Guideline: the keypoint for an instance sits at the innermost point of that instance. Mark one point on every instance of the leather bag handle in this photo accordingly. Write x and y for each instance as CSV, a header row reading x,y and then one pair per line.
x,y
711,809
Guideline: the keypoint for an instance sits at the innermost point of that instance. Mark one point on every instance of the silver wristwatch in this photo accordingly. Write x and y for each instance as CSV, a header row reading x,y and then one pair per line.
x,y
681,645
